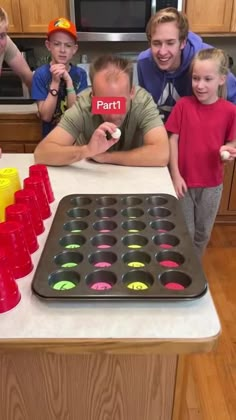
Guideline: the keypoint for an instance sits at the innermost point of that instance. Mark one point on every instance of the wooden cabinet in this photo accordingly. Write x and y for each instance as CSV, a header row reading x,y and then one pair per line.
x,y
33,16
12,8
206,16
233,19
227,210
20,133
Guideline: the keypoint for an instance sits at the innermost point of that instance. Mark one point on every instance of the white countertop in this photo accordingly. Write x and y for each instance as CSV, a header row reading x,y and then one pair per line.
x,y
19,109
33,318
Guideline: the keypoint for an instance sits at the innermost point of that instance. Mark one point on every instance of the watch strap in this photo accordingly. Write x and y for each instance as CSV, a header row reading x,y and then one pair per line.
x,y
54,92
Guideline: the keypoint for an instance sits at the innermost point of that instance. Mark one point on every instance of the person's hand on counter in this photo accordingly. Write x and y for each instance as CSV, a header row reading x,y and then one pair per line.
x,y
59,148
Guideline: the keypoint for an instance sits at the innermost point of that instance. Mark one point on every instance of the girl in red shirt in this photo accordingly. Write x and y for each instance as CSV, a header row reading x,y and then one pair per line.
x,y
201,127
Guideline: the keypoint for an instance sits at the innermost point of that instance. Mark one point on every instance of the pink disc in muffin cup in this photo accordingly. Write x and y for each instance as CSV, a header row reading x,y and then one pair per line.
x,y
166,246
169,263
102,264
102,285
103,246
174,286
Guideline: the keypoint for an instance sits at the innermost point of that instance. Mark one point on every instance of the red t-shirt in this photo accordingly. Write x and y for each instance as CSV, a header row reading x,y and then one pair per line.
x,y
202,130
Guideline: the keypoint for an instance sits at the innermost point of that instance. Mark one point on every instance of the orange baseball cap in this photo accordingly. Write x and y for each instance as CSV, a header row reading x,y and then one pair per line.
x,y
62,24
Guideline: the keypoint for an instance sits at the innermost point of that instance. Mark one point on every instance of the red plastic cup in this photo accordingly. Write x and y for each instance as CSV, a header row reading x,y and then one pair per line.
x,y
9,292
12,238
21,213
36,183
42,171
28,197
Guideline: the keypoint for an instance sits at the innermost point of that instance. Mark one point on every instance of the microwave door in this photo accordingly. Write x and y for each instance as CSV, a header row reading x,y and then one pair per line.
x,y
11,85
113,20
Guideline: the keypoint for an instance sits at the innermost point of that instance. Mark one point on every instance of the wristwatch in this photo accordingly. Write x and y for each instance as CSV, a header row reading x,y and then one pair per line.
x,y
53,92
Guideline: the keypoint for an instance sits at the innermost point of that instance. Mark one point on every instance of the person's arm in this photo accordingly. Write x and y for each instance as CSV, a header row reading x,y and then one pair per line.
x,y
140,75
173,165
21,68
48,105
230,143
70,91
231,88
229,147
178,181
154,152
58,149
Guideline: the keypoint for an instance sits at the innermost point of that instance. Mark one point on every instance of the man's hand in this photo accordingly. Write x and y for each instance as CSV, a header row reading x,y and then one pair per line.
x,y
98,143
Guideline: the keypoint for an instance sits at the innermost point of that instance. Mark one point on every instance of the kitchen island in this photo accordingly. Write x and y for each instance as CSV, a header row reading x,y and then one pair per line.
x,y
97,360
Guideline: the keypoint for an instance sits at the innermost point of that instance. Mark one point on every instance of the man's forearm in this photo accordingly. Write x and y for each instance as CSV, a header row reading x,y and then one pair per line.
x,y
142,156
56,155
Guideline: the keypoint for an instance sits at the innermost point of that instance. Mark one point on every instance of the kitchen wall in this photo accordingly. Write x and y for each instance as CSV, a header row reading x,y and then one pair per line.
x,y
91,49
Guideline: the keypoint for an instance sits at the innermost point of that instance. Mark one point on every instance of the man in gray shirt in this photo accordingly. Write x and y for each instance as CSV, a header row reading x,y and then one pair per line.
x,y
81,133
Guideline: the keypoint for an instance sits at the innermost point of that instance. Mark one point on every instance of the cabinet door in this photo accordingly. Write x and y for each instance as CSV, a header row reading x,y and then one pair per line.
x,y
30,147
12,147
233,19
228,175
37,14
209,16
12,7
232,199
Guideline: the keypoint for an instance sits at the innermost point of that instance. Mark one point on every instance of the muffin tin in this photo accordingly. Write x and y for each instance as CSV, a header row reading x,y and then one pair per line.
x,y
119,247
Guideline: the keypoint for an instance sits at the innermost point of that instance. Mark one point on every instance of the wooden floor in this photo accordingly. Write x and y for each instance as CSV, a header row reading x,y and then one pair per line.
x,y
211,378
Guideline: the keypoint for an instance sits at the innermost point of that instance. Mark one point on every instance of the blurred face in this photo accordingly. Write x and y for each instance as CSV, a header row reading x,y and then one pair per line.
x,y
114,87
3,37
62,47
166,47
206,80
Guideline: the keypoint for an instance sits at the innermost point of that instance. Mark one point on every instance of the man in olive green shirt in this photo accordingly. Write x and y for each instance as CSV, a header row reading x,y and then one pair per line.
x,y
81,134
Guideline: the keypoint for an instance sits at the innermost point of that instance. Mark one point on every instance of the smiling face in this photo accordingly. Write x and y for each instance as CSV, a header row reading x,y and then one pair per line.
x,y
114,83
166,47
206,80
62,47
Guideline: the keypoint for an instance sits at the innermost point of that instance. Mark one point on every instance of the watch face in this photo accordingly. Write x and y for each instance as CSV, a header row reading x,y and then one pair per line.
x,y
54,92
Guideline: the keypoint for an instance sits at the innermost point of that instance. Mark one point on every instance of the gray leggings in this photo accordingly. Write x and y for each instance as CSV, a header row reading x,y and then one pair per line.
x,y
200,206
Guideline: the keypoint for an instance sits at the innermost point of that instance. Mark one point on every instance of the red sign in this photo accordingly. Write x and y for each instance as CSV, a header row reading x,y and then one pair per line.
x,y
108,105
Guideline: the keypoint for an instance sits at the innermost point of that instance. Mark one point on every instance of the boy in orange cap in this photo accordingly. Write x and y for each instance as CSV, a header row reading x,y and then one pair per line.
x,y
56,85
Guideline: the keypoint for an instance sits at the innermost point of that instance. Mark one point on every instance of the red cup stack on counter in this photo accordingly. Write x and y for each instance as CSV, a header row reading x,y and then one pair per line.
x,y
42,172
21,220
29,197
9,292
21,213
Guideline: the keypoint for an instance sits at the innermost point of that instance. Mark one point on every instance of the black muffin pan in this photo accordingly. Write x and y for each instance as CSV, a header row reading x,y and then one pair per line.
x,y
119,247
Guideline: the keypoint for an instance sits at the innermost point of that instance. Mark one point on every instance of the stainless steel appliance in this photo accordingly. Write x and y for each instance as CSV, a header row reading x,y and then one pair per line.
x,y
12,89
11,86
115,20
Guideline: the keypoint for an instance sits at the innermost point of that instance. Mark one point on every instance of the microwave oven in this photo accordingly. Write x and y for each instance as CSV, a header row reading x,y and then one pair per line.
x,y
115,20
12,89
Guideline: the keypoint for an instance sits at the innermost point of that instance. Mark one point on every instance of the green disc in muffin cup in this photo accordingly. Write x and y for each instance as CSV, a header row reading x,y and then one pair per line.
x,y
69,265
64,285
